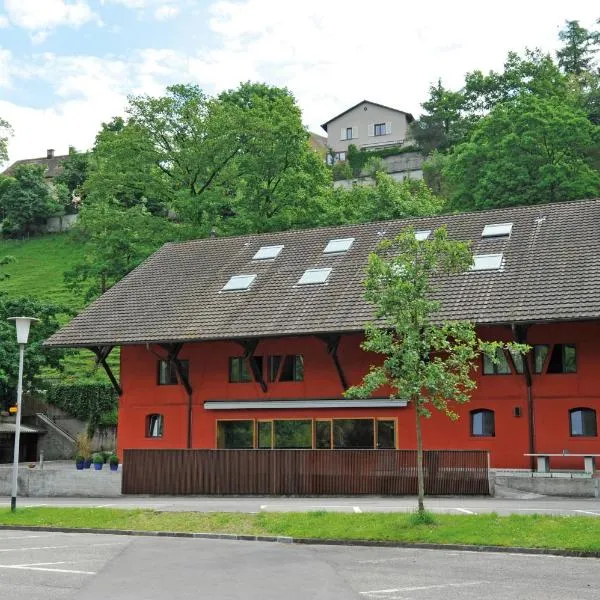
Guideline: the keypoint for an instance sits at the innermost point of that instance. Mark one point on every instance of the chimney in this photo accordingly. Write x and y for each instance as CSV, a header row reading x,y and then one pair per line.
x,y
50,153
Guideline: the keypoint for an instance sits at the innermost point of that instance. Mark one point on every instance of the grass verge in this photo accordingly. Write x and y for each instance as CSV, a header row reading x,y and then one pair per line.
x,y
530,531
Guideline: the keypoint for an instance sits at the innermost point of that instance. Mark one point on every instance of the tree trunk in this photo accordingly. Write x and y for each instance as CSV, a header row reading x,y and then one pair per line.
x,y
420,473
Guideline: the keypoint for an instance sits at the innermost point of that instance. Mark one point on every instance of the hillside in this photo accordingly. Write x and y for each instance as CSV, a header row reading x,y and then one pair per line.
x,y
38,270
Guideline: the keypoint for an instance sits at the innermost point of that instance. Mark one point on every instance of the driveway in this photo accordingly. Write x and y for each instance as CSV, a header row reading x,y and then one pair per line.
x,y
44,566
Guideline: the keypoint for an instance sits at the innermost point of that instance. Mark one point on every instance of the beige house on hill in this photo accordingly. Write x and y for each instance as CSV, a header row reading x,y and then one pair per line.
x,y
367,125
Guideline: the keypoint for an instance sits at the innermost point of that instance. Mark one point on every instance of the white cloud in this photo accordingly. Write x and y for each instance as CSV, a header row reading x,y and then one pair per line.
x,y
165,12
4,22
5,68
39,15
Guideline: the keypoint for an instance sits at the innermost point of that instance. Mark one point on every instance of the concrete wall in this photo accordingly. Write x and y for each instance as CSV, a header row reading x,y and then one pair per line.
x,y
58,224
361,119
400,176
564,485
62,479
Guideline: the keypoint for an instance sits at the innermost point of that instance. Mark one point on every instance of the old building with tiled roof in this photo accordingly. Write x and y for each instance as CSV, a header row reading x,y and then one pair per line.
x,y
51,163
219,336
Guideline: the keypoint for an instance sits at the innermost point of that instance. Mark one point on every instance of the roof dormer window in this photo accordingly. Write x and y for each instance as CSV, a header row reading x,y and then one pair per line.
x,y
498,230
311,276
238,283
338,245
487,262
268,252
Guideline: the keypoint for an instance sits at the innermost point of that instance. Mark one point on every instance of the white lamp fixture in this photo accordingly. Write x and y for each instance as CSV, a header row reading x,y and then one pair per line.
x,y
22,324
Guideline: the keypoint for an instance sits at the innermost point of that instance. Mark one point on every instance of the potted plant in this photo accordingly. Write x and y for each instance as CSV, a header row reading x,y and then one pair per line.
x,y
79,460
113,461
87,462
83,444
98,461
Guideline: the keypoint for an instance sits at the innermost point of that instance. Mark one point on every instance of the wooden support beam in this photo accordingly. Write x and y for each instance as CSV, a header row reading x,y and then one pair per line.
x,y
332,342
102,353
249,347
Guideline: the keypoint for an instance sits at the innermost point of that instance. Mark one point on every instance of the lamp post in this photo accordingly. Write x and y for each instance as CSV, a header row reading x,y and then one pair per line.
x,y
22,324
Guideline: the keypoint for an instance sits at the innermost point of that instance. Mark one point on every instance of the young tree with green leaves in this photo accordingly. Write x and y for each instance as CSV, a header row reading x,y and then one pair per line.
x,y
5,133
428,362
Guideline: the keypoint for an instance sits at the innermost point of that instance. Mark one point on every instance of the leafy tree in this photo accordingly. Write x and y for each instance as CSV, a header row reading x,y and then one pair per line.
x,y
27,200
443,122
427,362
5,133
529,151
37,357
579,47
112,241
387,199
74,172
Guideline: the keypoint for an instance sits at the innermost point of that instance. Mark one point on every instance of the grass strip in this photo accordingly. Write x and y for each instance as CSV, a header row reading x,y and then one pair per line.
x,y
526,531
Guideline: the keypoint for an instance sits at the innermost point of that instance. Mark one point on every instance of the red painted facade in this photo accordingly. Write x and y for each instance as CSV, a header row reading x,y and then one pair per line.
x,y
553,396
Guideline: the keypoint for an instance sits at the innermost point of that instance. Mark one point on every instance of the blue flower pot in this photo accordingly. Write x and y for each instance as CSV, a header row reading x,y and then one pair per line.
x,y
87,463
114,467
98,466
79,466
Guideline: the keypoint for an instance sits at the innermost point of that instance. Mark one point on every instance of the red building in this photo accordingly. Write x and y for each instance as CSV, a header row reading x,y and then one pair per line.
x,y
250,342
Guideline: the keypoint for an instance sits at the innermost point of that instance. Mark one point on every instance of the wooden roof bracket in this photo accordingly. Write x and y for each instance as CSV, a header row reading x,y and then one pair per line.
x,y
102,353
333,342
520,334
249,347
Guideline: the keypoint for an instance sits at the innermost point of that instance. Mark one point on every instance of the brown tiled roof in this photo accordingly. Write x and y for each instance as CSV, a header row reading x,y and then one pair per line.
x,y
551,272
52,165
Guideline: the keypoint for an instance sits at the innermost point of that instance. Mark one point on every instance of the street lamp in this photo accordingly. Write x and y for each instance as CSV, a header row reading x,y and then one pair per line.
x,y
22,324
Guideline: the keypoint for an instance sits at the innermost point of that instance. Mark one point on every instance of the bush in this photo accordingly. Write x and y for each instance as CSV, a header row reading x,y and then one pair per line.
x,y
113,459
85,401
98,459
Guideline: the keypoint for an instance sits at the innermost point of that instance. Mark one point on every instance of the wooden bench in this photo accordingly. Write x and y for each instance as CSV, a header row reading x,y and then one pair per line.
x,y
543,461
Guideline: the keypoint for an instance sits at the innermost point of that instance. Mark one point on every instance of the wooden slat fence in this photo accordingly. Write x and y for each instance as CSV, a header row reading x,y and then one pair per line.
x,y
303,472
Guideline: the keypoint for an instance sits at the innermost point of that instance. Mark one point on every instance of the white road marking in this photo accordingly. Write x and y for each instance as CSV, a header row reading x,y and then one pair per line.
x,y
423,587
466,511
56,547
587,512
356,509
21,537
47,569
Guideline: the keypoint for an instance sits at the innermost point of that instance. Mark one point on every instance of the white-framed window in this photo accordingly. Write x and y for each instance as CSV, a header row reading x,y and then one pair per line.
x,y
349,133
379,129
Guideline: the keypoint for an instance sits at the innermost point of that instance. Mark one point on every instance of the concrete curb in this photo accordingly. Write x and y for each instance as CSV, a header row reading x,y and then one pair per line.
x,y
312,541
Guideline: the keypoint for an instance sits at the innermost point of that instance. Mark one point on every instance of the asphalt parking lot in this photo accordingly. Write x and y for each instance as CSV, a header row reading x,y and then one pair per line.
x,y
44,566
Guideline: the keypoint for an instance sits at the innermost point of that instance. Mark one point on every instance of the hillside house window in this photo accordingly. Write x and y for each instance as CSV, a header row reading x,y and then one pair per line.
x,y
286,368
583,422
240,369
348,133
379,129
340,156
235,434
154,425
497,365
167,373
483,423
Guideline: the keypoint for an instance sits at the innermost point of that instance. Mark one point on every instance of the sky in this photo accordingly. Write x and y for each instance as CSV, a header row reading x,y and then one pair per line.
x,y
66,66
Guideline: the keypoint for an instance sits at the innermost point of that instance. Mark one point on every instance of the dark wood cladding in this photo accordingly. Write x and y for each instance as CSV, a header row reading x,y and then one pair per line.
x,y
302,472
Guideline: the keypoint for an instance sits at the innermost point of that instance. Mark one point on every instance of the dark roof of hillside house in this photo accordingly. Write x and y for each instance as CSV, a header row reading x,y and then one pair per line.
x,y
550,272
409,116
51,163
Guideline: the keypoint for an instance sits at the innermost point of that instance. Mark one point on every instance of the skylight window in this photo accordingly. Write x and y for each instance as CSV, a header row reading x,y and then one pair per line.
x,y
487,262
339,245
497,230
239,282
314,276
420,236
267,252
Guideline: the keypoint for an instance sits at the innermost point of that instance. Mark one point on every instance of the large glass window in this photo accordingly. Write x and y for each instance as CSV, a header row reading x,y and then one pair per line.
x,y
322,435
235,434
496,366
293,433
167,374
353,433
583,422
240,369
540,352
348,133
563,359
379,129
154,425
264,434
483,423
386,434
286,368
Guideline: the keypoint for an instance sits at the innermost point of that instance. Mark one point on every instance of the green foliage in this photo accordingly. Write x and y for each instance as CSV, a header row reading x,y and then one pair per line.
x,y
5,133
579,47
421,517
98,459
27,200
387,199
358,159
37,357
113,459
342,170
86,401
79,459
528,151
427,362
73,175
